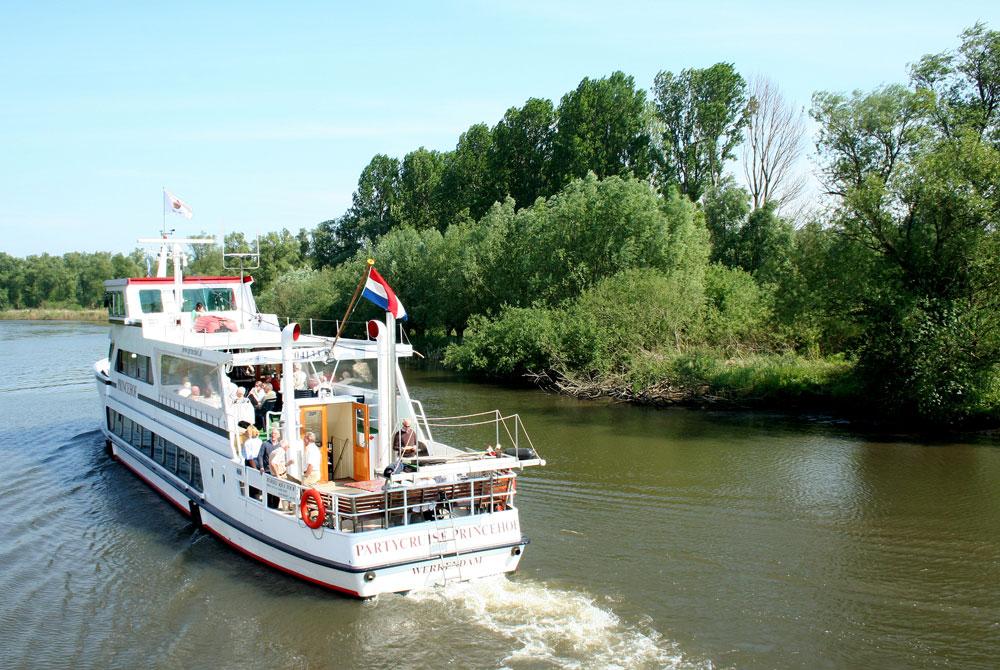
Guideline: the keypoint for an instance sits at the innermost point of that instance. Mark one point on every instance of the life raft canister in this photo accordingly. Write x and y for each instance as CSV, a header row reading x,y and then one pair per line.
x,y
307,495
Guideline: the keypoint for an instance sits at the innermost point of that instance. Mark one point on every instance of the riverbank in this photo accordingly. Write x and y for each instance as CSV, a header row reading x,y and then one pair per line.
x,y
44,314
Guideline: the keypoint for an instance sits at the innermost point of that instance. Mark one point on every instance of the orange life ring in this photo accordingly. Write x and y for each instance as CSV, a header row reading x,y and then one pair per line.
x,y
312,494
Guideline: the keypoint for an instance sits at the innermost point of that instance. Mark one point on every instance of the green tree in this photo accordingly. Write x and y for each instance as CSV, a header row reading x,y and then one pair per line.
x,y
601,129
467,182
521,153
419,189
703,113
966,83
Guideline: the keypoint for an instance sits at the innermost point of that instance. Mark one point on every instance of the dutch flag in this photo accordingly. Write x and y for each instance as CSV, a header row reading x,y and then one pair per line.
x,y
378,291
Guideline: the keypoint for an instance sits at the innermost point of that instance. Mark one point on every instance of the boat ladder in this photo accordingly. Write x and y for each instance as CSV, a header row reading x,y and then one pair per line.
x,y
446,527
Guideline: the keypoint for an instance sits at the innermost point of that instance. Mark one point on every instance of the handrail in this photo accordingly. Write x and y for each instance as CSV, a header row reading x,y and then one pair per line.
x,y
477,498
498,419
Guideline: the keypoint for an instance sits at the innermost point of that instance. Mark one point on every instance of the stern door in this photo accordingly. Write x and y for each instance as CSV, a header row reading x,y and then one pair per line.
x,y
362,468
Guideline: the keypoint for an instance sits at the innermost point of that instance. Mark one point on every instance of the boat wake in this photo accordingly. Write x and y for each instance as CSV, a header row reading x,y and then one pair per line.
x,y
553,627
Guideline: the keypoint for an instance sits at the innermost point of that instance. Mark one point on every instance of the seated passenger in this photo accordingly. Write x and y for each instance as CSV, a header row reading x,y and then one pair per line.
x,y
243,408
404,442
185,390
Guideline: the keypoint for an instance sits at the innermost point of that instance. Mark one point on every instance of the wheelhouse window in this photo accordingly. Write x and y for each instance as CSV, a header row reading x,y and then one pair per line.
x,y
115,302
136,366
151,301
214,299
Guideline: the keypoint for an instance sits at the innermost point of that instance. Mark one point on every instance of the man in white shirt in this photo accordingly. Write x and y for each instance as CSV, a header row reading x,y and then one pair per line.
x,y
312,458
244,410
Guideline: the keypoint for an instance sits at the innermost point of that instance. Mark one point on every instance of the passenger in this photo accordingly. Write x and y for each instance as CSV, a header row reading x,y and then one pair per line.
x,y
298,378
268,404
256,395
243,408
185,390
196,393
251,447
278,461
264,461
199,310
404,442
312,458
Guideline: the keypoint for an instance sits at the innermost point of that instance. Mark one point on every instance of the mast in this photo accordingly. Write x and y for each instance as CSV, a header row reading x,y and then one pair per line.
x,y
173,247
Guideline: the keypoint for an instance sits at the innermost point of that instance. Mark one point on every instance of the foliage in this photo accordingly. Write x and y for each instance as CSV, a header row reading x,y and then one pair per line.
x,y
703,113
602,129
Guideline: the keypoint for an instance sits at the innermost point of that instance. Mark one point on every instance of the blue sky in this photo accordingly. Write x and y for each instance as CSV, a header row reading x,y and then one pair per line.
x,y
262,115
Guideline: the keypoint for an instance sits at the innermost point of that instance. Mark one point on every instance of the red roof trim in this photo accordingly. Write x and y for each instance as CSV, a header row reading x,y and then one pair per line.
x,y
187,280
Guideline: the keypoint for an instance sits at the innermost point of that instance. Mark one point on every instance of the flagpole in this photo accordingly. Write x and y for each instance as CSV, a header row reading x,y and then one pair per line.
x,y
354,298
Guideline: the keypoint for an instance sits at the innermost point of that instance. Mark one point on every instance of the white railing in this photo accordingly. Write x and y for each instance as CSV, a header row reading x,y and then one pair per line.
x,y
507,427
395,505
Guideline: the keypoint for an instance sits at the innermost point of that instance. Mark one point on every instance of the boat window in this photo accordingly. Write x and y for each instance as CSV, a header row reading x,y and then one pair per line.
x,y
158,449
214,299
134,365
188,379
151,301
358,373
196,473
170,463
115,302
183,465
175,459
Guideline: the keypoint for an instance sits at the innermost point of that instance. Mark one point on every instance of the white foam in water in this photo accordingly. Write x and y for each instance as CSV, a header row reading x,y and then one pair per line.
x,y
554,627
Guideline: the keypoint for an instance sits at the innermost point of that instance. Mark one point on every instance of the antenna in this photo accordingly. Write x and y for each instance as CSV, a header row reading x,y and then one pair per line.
x,y
242,261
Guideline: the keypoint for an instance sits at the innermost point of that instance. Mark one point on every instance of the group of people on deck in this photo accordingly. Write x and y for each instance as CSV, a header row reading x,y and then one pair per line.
x,y
275,457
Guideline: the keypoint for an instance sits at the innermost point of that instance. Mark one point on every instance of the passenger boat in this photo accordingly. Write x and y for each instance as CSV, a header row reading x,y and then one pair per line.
x,y
377,521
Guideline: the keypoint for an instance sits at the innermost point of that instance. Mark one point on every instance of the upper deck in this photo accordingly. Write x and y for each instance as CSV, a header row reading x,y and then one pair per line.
x,y
229,330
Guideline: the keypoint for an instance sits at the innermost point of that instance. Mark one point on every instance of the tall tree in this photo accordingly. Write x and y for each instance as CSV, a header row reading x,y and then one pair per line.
x,y
966,82
703,113
922,195
521,155
467,182
601,129
419,189
775,133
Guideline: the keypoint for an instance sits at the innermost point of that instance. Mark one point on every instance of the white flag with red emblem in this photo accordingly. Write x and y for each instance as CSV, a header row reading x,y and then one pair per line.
x,y
171,203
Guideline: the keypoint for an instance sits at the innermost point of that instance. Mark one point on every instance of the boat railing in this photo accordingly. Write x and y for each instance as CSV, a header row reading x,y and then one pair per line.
x,y
193,408
394,505
421,416
505,431
330,328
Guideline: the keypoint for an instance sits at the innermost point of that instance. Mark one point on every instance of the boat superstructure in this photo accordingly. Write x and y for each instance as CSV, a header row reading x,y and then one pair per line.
x,y
377,521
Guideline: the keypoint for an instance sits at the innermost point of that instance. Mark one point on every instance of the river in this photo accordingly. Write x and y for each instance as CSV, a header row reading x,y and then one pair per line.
x,y
659,538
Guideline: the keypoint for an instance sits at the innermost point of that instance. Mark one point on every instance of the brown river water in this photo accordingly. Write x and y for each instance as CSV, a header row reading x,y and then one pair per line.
x,y
659,539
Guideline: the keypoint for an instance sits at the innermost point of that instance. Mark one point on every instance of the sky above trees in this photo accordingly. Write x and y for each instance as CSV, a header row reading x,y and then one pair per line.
x,y
262,116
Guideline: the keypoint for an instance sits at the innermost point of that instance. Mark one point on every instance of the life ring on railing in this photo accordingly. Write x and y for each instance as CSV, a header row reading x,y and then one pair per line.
x,y
307,495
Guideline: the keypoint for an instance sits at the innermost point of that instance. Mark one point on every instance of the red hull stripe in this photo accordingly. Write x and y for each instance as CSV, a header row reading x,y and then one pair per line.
x,y
235,546
282,568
